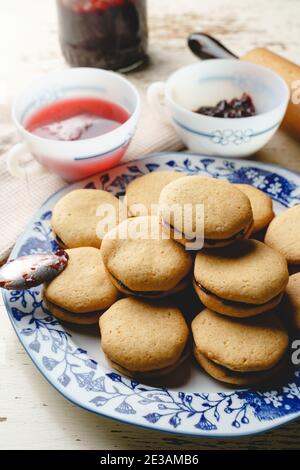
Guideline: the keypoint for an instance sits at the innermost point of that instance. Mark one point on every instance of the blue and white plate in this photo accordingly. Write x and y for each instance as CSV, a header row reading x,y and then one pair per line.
x,y
70,357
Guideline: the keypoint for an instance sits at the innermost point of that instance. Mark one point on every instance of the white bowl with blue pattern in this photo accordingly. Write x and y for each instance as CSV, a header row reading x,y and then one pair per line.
x,y
70,357
208,82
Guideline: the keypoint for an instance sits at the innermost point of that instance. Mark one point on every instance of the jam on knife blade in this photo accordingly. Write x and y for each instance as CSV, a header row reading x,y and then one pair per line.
x,y
32,270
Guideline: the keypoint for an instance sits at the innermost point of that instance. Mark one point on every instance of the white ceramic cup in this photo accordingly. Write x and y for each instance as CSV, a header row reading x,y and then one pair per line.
x,y
72,160
204,84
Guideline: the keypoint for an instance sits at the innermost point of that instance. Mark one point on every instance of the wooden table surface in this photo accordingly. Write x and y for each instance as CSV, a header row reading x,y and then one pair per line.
x,y
32,414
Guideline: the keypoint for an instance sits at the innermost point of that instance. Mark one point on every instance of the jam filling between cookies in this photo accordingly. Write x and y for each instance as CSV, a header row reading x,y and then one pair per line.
x,y
134,292
208,241
59,241
145,374
247,373
237,236
231,302
153,372
141,293
74,314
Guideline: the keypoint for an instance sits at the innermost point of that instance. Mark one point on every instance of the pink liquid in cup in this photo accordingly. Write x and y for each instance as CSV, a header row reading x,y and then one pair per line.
x,y
79,119
76,119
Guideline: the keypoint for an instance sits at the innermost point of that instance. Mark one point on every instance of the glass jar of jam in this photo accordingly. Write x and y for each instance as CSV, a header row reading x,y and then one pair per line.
x,y
110,34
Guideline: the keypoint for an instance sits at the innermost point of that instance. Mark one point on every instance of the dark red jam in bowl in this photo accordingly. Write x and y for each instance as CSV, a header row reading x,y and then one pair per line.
x,y
110,34
235,108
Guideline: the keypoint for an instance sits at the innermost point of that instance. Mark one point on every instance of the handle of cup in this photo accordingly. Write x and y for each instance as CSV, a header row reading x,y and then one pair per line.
x,y
15,160
155,98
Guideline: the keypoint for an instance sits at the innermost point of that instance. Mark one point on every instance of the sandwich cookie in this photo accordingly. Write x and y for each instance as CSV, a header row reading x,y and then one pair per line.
x,y
242,280
239,351
227,211
283,234
261,204
83,290
141,263
292,301
144,192
144,338
77,214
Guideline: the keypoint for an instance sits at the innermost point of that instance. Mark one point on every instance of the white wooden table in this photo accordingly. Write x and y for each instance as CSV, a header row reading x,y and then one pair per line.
x,y
32,414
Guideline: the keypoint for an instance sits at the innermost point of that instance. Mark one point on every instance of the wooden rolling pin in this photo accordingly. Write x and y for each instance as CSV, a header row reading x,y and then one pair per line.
x,y
290,72
205,47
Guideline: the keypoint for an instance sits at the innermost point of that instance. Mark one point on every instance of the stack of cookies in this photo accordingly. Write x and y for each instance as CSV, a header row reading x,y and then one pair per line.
x,y
129,279
141,335
238,280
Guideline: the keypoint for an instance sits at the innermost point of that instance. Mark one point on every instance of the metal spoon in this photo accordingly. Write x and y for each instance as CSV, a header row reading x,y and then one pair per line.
x,y
31,271
205,46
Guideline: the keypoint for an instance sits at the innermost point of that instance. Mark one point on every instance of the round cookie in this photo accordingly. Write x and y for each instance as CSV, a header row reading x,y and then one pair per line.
x,y
83,290
292,301
242,345
144,191
223,374
227,211
143,337
261,204
74,219
283,234
147,266
242,280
